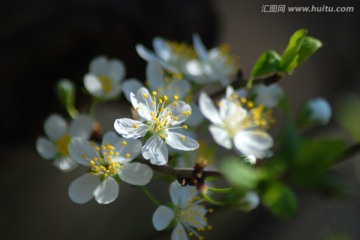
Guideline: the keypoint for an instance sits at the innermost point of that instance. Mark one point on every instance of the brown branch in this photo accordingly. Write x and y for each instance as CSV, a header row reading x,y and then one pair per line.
x,y
240,82
176,172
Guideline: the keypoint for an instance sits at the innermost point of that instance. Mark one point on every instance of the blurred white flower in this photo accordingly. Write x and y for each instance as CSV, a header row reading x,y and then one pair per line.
x,y
59,135
320,110
172,56
236,125
160,118
213,65
105,76
108,164
187,213
268,95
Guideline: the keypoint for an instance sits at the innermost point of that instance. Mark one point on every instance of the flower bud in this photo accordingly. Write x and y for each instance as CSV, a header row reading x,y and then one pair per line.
x,y
320,110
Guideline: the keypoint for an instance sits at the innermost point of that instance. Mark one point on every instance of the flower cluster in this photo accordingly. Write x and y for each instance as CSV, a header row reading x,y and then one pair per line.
x,y
168,129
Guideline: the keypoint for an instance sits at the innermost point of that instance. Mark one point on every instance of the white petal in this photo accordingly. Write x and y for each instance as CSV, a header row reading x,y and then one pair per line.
x,y
196,117
179,110
82,126
268,95
131,86
80,146
65,164
45,148
200,48
229,91
221,136
132,148
98,65
107,191
130,128
255,143
162,217
143,104
179,233
155,149
181,194
154,75
208,108
55,126
136,174
81,189
112,139
146,53
93,85
175,141
161,48
116,70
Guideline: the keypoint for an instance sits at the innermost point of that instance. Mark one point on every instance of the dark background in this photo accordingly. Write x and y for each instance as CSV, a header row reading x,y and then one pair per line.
x,y
43,41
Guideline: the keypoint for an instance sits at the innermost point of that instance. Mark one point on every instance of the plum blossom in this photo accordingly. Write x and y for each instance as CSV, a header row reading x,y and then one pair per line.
x,y
186,212
160,120
238,123
107,164
59,135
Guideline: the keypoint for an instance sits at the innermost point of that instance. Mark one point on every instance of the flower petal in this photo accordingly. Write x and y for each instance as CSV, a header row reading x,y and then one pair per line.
x,y
200,47
131,86
116,69
130,128
65,164
161,48
142,102
81,151
136,174
98,65
107,191
180,195
93,85
179,111
179,233
45,148
268,95
208,109
181,142
162,217
155,149
154,75
55,126
82,126
221,136
81,189
255,143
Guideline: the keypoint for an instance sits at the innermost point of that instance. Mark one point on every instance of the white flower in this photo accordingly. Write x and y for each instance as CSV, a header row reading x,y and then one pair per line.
x,y
172,56
234,125
161,117
268,95
186,212
105,76
59,135
320,110
108,164
213,65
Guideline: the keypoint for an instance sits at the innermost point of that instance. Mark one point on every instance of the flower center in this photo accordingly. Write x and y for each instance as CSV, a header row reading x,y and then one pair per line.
x,y
107,163
181,51
62,145
106,83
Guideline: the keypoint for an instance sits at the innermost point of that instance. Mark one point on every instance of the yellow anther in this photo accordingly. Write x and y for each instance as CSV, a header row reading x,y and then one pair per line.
x,y
83,156
97,148
250,104
110,147
123,143
111,152
154,93
116,153
103,147
174,104
106,175
163,136
135,125
92,144
95,159
176,97
127,155
191,234
182,138
166,98
153,103
209,227
92,163
145,95
160,101
185,126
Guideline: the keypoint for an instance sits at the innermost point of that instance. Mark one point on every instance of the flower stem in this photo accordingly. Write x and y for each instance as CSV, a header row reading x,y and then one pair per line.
x,y
220,190
150,196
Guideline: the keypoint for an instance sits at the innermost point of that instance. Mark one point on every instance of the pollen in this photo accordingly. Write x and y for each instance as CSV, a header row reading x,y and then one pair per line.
x,y
127,155
135,125
154,93
185,126
176,97
182,138
84,156
123,143
166,98
145,95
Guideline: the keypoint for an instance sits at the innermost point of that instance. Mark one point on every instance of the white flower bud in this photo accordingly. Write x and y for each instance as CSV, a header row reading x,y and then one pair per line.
x,y
320,110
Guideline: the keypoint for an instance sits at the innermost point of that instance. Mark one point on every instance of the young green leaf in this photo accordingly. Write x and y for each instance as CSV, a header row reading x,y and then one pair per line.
x,y
308,47
266,64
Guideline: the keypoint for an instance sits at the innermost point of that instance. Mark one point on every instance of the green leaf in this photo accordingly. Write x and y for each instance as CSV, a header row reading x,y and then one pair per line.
x,y
289,58
308,47
240,175
65,90
266,64
280,200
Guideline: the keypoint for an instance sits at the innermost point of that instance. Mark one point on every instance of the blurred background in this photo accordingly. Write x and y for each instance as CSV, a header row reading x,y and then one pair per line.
x,y
43,41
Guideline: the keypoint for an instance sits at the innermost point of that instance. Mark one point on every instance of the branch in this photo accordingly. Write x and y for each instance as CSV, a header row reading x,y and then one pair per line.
x,y
349,152
178,173
240,82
